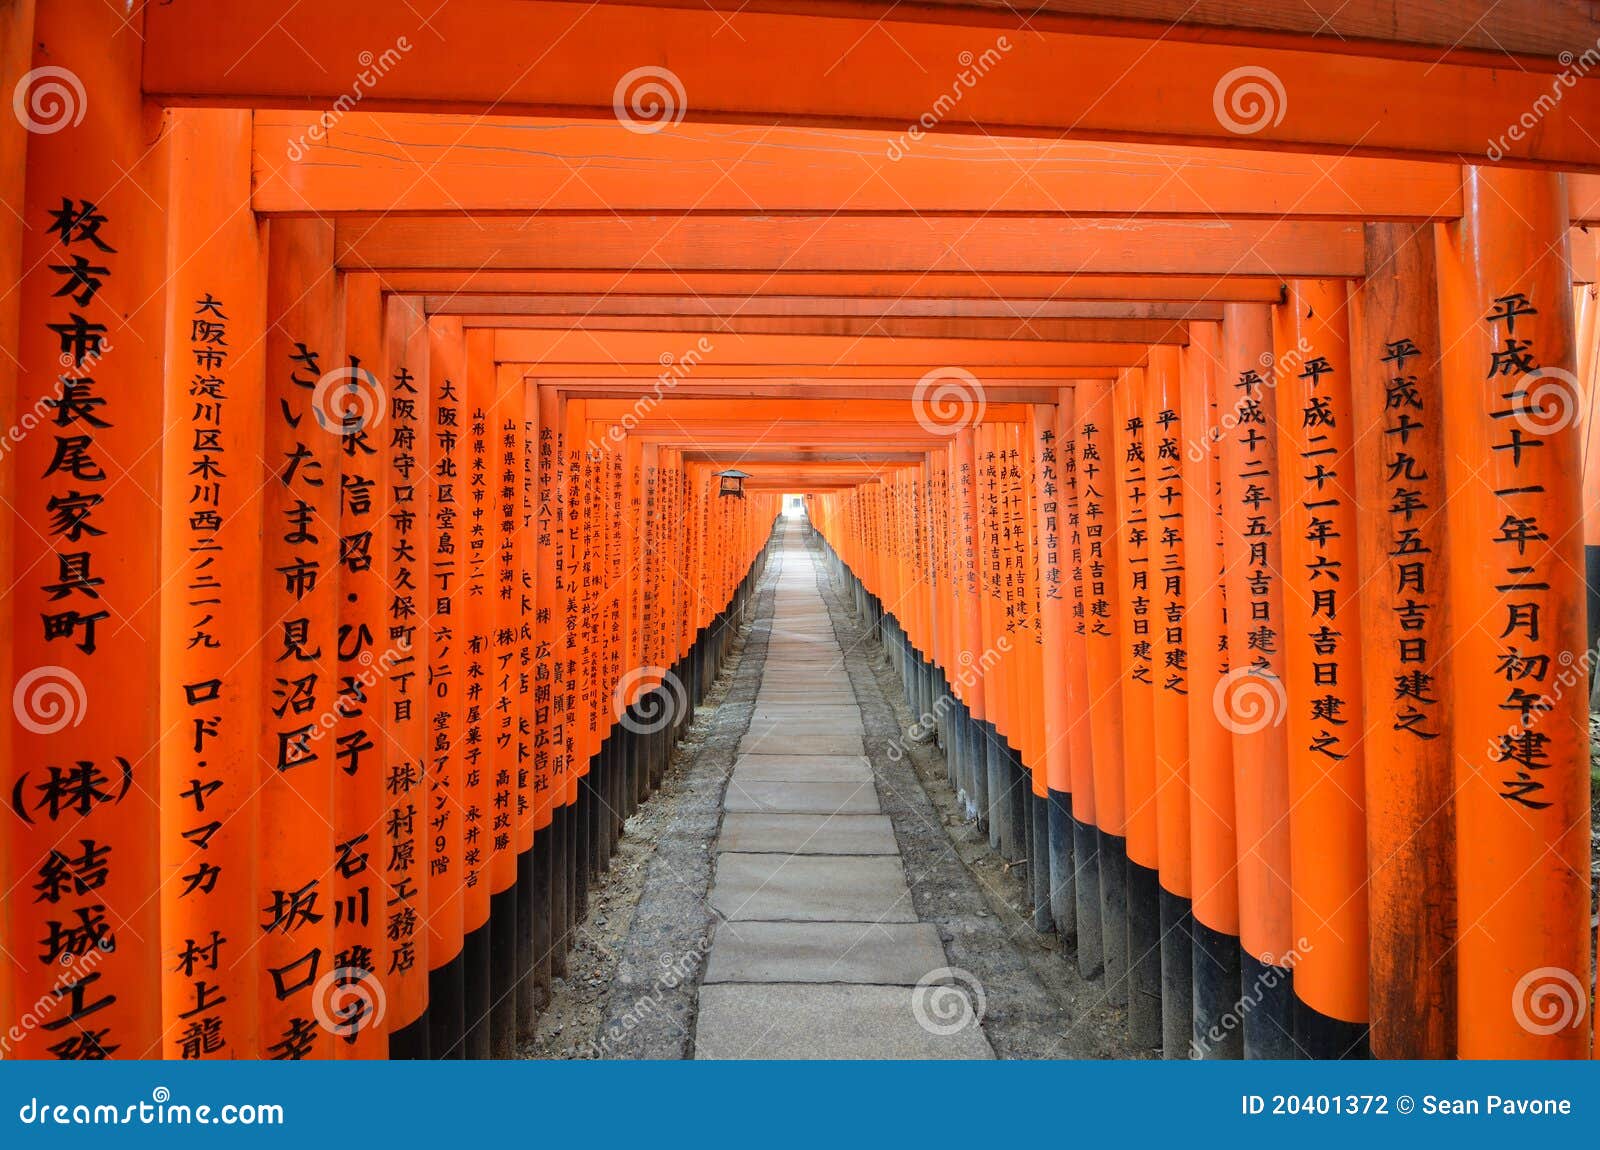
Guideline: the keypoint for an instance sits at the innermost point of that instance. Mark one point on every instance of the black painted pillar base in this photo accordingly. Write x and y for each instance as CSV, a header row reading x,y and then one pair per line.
x,y
978,772
995,757
447,1010
479,983
409,1043
1063,880
1218,1017
527,1009
544,889
1177,975
1144,956
1266,995
1321,1036
503,973
1114,915
1086,865
1039,862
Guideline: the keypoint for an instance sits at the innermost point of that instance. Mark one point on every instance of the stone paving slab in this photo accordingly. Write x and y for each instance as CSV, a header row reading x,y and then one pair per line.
x,y
802,768
818,698
880,954
768,740
751,832
808,718
811,888
801,798
788,1021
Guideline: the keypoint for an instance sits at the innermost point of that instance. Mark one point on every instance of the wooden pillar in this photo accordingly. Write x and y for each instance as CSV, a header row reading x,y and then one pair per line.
x,y
1513,470
351,405
1327,815
1131,412
211,593
447,684
81,781
1097,509
1170,659
1251,700
299,614
504,693
1410,779
478,724
1213,841
970,579
16,58
1085,827
402,843
1054,623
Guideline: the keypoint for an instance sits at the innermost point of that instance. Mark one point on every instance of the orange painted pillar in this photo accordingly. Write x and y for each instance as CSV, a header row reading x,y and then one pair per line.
x,y
507,696
1080,753
969,577
353,408
1054,623
1586,322
1323,649
1212,838
533,872
211,592
1512,467
16,59
83,588
1251,700
1130,412
477,733
299,992
1170,661
1037,793
402,842
446,683
551,716
1410,777
1098,498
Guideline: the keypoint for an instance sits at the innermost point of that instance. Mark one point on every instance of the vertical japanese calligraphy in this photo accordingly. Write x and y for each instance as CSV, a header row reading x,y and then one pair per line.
x,y
1515,534
211,593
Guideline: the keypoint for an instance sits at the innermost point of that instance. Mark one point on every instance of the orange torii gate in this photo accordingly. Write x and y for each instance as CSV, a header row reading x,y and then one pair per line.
x,y
1295,706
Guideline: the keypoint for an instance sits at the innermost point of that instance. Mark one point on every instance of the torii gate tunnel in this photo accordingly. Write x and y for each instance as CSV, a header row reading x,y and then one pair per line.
x,y
1198,401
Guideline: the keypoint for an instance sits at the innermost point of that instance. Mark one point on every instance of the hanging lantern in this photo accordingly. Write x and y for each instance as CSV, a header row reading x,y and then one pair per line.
x,y
732,482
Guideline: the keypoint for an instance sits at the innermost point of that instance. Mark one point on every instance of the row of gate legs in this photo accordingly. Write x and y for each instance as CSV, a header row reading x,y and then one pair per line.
x,y
487,1000
1190,991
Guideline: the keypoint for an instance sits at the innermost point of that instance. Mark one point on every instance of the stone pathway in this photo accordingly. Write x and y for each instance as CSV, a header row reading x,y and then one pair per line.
x,y
818,951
